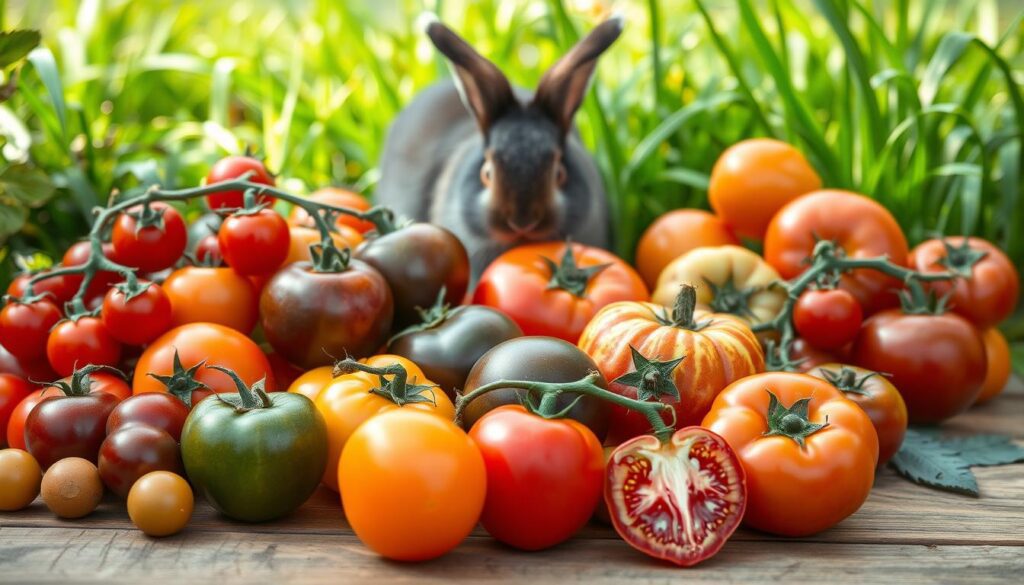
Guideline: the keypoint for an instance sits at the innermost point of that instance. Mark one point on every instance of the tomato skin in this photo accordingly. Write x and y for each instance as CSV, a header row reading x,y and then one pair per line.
x,y
68,426
794,490
428,470
79,343
937,362
862,227
212,295
230,168
160,503
340,198
13,389
154,409
150,249
301,238
16,422
811,357
56,288
755,178
544,476
139,320
34,369
25,327
516,283
346,402
827,319
312,382
674,234
133,451
997,354
989,296
254,244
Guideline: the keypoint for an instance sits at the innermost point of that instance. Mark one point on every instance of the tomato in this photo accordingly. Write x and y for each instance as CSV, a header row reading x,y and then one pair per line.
x,y
809,357
861,227
87,341
301,238
149,239
449,343
68,425
674,234
879,399
544,476
56,289
130,452
406,474
76,255
535,359
140,319
34,369
679,500
108,382
284,373
755,178
555,289
230,168
989,286
348,401
160,503
338,197
16,422
827,319
997,354
212,295
196,344
207,252
13,390
162,411
937,362
729,279
20,477
418,260
808,452
311,383
25,327
312,317
716,349
254,243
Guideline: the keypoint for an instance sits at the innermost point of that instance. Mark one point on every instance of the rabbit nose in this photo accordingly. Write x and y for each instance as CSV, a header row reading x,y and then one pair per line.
x,y
522,228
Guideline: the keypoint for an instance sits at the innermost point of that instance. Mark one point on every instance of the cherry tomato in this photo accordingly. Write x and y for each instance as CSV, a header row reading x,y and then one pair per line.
x,y
207,251
753,179
77,255
87,341
340,198
406,474
827,319
154,409
16,422
34,369
301,238
130,452
13,389
68,426
138,320
674,234
212,295
150,240
997,354
544,476
160,503
56,289
20,477
679,500
230,168
254,243
25,327
808,452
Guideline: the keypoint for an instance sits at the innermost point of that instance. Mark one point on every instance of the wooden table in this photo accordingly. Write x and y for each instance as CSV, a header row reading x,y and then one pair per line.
x,y
904,533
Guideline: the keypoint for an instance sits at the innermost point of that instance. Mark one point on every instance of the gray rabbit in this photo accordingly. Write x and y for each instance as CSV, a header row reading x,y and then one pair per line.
x,y
499,167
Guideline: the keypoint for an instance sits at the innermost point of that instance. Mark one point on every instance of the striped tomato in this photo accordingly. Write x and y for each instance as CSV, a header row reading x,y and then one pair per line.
x,y
716,350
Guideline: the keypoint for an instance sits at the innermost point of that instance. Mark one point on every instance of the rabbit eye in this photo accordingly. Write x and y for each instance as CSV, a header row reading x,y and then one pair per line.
x,y
561,175
486,173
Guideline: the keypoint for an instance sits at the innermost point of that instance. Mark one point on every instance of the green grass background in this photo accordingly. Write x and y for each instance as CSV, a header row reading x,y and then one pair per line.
x,y
916,103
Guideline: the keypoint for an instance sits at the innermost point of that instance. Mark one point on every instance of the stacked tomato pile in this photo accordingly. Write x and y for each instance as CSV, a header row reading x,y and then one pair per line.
x,y
254,357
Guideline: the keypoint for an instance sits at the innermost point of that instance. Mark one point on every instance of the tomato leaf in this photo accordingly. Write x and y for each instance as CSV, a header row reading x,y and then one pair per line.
x,y
986,450
29,185
930,459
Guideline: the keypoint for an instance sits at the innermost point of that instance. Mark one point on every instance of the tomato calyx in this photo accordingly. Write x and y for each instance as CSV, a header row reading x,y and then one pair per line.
x,y
430,318
397,389
147,217
570,277
132,287
651,378
249,397
790,422
847,381
181,383
728,298
915,301
682,311
961,259
80,383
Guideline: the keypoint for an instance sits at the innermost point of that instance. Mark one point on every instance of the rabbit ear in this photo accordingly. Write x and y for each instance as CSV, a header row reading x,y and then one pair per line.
x,y
563,87
484,88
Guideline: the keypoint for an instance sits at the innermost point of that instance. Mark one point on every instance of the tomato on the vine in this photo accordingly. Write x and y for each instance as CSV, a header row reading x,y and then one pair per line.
x,y
77,343
13,389
200,294
139,319
254,243
674,234
828,318
76,255
149,238
340,198
56,289
230,168
25,327
301,238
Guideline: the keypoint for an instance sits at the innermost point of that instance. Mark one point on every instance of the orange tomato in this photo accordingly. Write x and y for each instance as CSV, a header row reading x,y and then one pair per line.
x,y
997,351
674,234
212,295
302,238
753,179
808,468
412,484
311,383
348,402
341,198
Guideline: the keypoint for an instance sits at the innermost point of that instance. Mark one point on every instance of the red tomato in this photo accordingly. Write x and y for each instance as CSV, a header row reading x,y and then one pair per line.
x,y
230,168
139,320
16,422
679,500
74,344
57,288
674,234
13,390
25,327
989,288
544,476
150,240
338,197
554,290
77,255
207,252
35,369
810,357
212,295
130,452
254,244
861,227
68,426
827,319
154,409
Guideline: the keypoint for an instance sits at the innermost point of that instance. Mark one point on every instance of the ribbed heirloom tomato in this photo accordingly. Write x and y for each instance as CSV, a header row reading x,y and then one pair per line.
x,y
674,234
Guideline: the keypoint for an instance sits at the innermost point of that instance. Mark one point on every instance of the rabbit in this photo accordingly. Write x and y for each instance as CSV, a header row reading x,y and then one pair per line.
x,y
499,166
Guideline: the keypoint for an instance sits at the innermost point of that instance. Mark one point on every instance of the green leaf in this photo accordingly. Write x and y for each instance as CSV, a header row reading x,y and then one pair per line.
x,y
12,218
15,44
46,67
29,185
927,460
985,450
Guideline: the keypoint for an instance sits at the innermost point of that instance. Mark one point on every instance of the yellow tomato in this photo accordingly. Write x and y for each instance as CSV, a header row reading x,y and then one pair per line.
x,y
312,382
